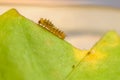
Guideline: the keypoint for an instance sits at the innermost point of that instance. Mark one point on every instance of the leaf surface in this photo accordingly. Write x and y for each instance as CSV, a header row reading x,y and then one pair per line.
x,y
30,52
102,61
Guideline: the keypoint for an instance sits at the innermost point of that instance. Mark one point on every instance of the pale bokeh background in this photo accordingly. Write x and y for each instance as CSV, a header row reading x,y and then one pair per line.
x,y
84,21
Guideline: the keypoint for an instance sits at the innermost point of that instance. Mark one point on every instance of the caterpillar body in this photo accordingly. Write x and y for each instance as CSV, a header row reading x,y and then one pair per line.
x,y
48,25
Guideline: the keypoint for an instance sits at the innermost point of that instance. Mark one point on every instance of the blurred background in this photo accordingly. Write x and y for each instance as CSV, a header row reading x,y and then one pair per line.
x,y
83,21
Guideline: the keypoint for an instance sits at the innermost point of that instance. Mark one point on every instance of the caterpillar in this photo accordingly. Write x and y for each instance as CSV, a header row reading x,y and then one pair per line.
x,y
48,25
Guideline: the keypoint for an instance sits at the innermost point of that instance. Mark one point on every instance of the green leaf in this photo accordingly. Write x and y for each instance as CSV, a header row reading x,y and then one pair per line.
x,y
102,61
30,52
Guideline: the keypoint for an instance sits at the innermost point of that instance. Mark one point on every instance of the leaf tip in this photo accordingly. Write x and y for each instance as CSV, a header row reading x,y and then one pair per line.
x,y
12,12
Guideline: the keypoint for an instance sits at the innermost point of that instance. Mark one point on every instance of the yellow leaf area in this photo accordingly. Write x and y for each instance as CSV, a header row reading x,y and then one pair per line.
x,y
79,54
94,57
